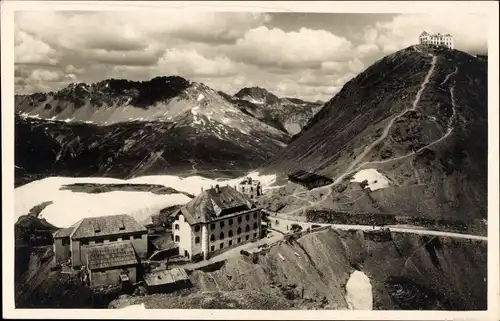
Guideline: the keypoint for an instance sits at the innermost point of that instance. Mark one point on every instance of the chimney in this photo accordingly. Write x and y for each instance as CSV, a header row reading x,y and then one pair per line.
x,y
202,189
217,189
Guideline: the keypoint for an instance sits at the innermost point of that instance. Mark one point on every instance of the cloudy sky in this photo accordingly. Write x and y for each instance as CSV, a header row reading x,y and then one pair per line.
x,y
305,55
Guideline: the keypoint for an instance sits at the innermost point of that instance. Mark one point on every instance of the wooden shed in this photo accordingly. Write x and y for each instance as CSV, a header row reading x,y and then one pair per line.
x,y
166,281
112,264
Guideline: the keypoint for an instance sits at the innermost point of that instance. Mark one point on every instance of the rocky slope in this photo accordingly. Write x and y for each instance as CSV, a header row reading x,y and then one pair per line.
x,y
124,129
287,114
416,122
405,271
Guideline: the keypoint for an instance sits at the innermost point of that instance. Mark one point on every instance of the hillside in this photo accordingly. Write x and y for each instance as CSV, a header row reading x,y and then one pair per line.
x,y
413,125
94,130
405,272
286,114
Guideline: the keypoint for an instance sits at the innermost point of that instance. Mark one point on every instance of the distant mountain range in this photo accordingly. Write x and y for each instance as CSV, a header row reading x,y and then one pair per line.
x,y
124,128
287,114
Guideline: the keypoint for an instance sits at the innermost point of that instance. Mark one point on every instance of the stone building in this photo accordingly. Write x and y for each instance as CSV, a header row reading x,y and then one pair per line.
x,y
250,187
438,39
77,244
217,219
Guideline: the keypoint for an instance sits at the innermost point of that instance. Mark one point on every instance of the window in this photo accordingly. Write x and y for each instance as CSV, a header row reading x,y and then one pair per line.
x,y
247,217
197,228
230,242
221,224
121,226
98,241
230,234
221,245
239,219
254,235
113,239
212,238
197,240
238,231
239,239
177,238
247,237
212,226
243,188
176,226
137,237
86,242
255,215
221,235
247,228
65,241
230,222
251,188
251,196
212,248
254,226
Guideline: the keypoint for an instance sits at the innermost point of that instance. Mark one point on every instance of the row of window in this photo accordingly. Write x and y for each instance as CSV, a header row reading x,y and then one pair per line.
x,y
111,239
221,223
230,242
221,235
230,221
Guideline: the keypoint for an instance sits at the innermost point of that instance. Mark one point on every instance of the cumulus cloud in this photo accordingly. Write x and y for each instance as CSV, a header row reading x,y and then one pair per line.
x,y
29,50
295,49
469,31
225,50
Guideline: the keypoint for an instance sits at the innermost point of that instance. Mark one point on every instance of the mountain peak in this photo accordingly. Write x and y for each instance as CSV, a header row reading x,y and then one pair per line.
x,y
257,95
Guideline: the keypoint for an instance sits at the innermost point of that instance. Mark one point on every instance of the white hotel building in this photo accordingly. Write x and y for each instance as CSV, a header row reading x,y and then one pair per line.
x,y
436,39
217,219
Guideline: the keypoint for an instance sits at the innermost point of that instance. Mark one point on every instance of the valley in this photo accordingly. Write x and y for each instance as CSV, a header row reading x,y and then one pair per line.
x,y
402,226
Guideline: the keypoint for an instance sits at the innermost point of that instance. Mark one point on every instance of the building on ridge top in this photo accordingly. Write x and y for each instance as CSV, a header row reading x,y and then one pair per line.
x,y
217,219
427,38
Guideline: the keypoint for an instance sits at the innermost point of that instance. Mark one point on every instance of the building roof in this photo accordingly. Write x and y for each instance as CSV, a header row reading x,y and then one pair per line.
x,y
201,209
110,255
106,225
165,277
306,177
64,232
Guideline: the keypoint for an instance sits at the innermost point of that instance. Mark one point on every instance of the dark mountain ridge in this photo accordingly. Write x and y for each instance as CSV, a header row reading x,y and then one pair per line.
x,y
416,117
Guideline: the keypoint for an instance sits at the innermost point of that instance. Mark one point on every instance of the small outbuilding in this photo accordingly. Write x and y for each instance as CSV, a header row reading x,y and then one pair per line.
x,y
111,264
166,281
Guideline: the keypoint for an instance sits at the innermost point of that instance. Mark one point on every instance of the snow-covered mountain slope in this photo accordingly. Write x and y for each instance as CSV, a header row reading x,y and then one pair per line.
x,y
194,131
286,114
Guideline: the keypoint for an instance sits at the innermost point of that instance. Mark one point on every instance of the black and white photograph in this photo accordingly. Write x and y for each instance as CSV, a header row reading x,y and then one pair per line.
x,y
246,157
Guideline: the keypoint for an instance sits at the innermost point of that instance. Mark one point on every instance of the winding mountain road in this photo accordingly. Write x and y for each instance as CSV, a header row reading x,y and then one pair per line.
x,y
353,168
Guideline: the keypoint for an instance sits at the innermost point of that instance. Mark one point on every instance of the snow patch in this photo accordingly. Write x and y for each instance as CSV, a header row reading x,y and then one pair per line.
x,y
375,179
253,100
200,97
140,205
359,294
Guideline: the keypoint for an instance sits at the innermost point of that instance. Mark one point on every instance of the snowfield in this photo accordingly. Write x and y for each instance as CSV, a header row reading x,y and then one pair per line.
x,y
375,179
69,207
359,292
